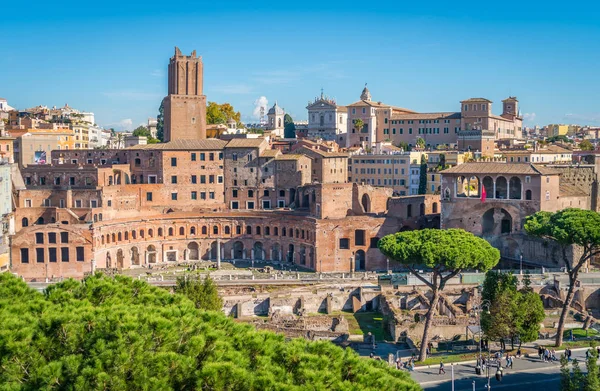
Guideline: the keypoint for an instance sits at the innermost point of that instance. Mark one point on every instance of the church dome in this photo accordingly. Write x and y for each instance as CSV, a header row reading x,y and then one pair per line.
x,y
366,94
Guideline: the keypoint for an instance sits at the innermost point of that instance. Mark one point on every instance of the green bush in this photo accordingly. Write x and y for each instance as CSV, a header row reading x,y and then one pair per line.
x,y
123,334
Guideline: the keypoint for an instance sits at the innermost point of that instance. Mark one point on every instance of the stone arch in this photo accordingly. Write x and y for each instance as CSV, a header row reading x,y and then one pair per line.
x,y
460,186
151,232
276,252
257,249
25,222
151,254
366,203
170,231
213,250
120,259
135,256
193,251
528,195
515,188
238,250
360,263
192,230
488,185
501,188
141,233
473,189
302,255
496,221
134,234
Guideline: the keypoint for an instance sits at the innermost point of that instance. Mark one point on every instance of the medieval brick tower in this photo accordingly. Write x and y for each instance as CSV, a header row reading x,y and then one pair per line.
x,y
185,106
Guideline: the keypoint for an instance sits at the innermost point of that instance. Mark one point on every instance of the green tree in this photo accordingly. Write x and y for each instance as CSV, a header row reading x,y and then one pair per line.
x,y
578,378
289,128
221,113
530,315
142,131
423,175
123,334
561,138
160,123
444,254
404,145
568,228
359,125
586,145
592,381
203,293
566,381
420,142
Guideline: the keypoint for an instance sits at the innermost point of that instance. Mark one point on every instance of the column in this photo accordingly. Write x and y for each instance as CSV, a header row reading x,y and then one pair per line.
x,y
232,254
494,181
508,189
218,253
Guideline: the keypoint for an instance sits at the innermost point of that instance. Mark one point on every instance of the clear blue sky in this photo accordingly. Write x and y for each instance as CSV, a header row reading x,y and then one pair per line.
x,y
111,57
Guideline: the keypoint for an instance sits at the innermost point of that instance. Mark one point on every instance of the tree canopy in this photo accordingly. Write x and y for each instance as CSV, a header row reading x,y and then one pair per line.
x,y
289,128
445,253
221,113
203,294
123,334
142,131
586,145
513,312
359,124
568,227
160,122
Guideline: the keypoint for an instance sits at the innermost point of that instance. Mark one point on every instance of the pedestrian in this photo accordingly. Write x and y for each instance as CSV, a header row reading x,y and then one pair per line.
x,y
587,354
568,354
519,353
442,370
540,352
553,355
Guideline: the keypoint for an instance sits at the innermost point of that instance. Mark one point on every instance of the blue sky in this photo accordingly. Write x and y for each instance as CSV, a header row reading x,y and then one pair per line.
x,y
111,57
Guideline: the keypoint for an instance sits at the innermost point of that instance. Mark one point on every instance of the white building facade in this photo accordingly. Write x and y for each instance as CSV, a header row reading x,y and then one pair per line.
x,y
326,120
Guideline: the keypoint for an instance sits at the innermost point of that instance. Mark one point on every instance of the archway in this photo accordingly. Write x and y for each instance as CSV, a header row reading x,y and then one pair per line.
x,y
151,254
359,261
276,252
528,195
501,188
238,250
515,188
213,250
473,189
302,255
25,222
496,221
488,185
258,251
461,186
366,203
135,256
290,254
193,253
108,261
120,258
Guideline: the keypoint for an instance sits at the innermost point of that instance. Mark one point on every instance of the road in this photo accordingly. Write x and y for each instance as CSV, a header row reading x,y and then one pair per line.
x,y
527,374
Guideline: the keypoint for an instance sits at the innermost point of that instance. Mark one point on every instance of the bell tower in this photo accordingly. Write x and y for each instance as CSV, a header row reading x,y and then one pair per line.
x,y
185,104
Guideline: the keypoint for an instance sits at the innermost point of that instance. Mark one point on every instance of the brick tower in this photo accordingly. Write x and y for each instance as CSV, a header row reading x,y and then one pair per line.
x,y
185,106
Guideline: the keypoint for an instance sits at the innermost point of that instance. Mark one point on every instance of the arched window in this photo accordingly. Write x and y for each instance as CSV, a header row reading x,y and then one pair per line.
x,y
227,230
275,231
25,222
267,231
119,237
204,230
215,230
114,238
133,234
248,230
501,188
238,229
141,233
435,207
107,238
192,230
297,233
258,230
283,231
171,231
181,231
528,195
160,232
40,220
515,188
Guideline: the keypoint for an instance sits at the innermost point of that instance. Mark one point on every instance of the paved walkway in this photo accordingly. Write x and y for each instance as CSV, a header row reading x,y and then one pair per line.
x,y
530,370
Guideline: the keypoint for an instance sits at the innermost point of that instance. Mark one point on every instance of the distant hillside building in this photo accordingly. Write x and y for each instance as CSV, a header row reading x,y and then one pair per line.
x,y
276,120
326,119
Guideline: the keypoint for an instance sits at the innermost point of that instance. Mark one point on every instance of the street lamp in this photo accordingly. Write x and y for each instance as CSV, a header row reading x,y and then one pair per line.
x,y
484,304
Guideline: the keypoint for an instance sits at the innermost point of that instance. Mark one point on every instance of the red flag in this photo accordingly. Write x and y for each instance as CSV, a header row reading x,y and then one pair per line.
x,y
483,193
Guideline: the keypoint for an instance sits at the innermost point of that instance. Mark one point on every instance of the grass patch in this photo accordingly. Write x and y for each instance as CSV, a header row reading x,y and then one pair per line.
x,y
580,333
447,358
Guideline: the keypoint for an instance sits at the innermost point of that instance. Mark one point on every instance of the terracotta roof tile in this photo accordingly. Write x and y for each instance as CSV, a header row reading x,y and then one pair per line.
x,y
500,168
245,142
185,145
